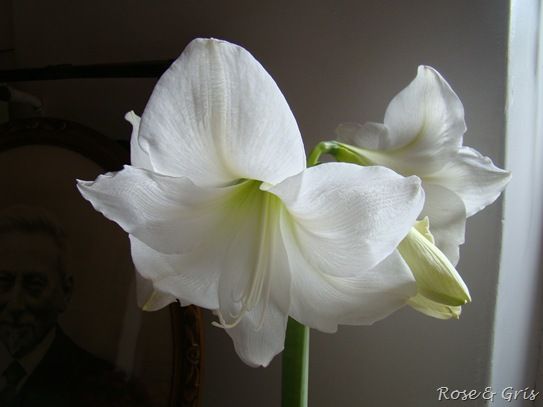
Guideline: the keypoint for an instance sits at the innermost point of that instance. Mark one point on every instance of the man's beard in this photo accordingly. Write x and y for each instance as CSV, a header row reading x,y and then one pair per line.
x,y
18,339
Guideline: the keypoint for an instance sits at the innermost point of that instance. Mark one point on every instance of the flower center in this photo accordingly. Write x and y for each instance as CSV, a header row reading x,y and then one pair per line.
x,y
255,294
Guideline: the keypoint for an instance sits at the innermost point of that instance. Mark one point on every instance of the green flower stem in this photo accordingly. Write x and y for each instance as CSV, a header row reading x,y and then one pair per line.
x,y
341,152
295,373
324,147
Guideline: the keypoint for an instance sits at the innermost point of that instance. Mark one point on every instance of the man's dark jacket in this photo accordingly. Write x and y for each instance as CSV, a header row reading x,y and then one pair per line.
x,y
69,376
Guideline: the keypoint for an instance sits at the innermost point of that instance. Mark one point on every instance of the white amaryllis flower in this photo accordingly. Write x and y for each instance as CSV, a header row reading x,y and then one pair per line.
x,y
422,135
223,213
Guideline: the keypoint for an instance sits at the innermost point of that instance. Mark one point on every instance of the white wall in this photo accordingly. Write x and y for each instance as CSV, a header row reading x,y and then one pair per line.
x,y
518,315
335,61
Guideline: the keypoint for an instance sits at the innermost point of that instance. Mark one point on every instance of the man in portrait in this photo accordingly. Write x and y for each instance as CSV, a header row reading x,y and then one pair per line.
x,y
41,365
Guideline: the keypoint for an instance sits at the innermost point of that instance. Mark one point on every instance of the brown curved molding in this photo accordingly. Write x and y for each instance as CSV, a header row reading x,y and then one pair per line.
x,y
187,375
109,154
187,327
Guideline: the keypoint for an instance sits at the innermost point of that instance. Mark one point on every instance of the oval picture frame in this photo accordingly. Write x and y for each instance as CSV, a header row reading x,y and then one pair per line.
x,y
40,159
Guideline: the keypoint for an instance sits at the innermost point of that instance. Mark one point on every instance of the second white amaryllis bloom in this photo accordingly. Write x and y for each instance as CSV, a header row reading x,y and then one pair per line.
x,y
223,213
422,134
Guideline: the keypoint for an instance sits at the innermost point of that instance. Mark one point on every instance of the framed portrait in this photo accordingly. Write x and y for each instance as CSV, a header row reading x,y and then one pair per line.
x,y
157,356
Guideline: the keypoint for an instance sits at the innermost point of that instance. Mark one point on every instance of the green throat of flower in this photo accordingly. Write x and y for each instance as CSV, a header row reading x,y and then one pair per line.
x,y
264,210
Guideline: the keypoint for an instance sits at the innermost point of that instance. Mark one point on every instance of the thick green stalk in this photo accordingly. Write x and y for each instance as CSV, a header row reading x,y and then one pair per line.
x,y
341,152
324,147
294,385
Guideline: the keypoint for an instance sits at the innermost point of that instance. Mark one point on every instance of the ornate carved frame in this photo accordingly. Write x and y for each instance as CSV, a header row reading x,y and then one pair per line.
x,y
186,321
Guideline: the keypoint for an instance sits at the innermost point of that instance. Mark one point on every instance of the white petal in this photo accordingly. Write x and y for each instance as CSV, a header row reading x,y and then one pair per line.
x,y
447,216
322,301
257,341
138,156
474,178
260,335
148,297
423,128
372,136
216,116
427,112
171,215
192,278
345,218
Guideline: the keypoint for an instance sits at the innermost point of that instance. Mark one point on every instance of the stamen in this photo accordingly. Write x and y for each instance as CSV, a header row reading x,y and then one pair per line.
x,y
259,288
